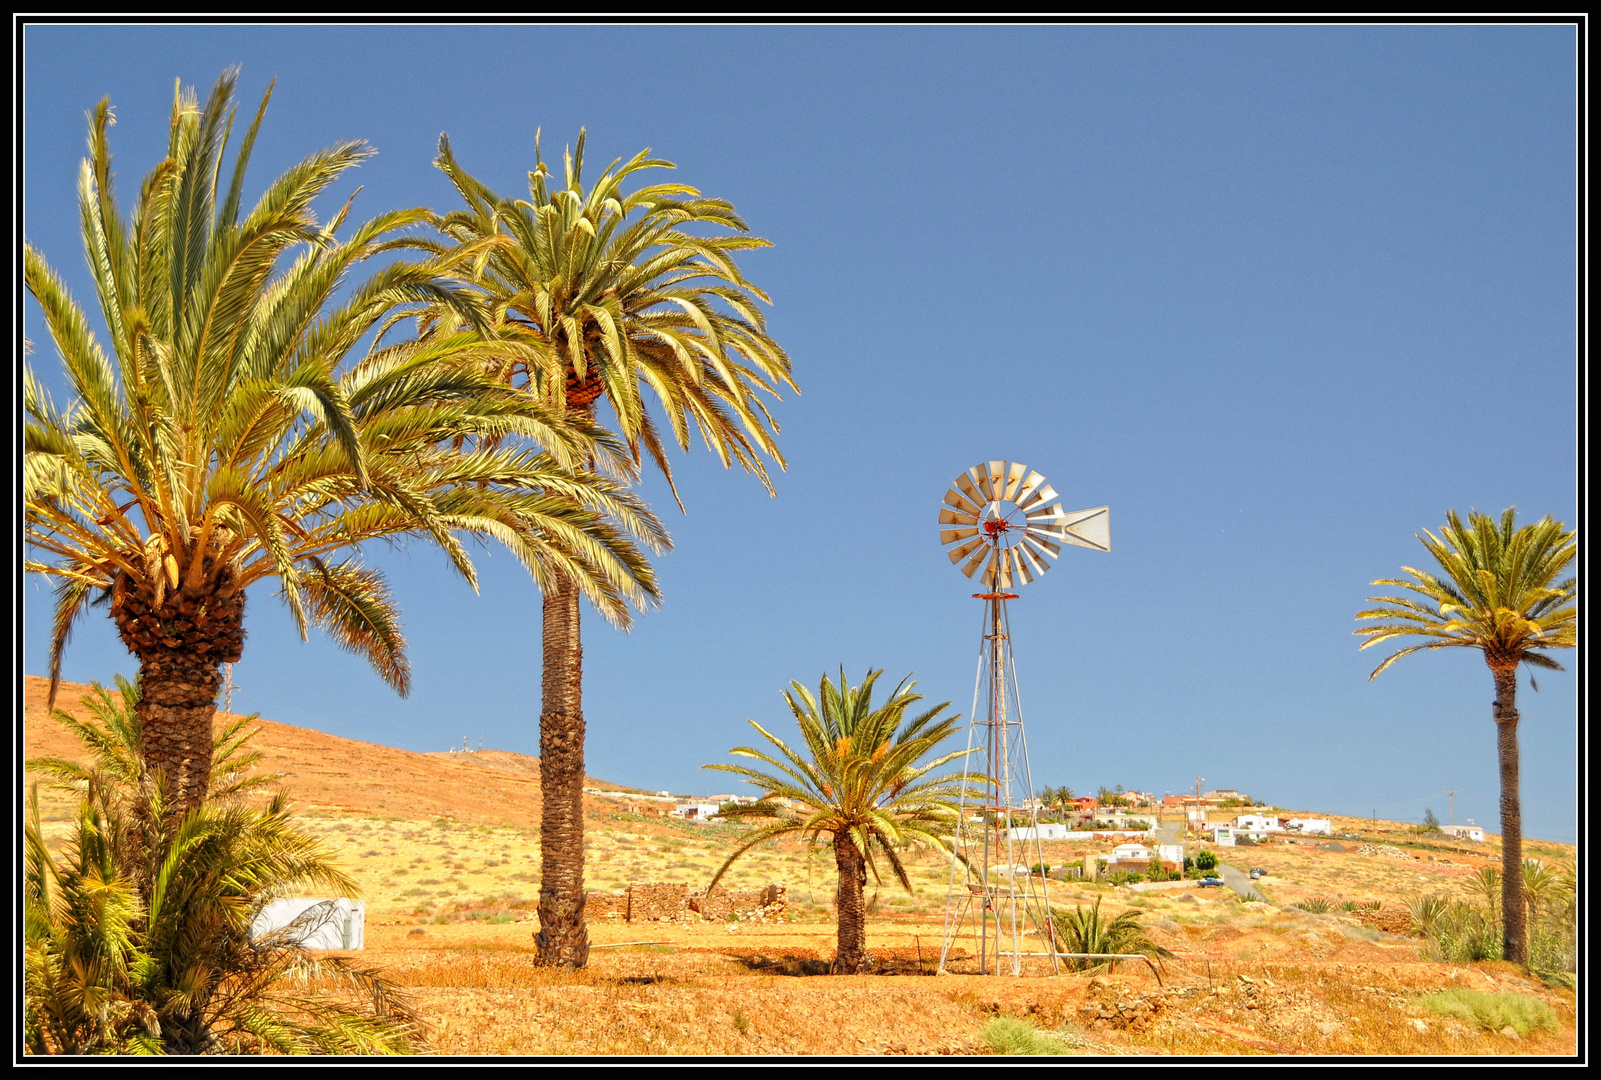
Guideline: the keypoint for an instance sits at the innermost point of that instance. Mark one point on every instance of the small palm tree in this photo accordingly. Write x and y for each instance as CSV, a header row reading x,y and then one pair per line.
x,y
859,782
1540,883
1080,931
1500,595
1487,883
231,437
598,293
138,928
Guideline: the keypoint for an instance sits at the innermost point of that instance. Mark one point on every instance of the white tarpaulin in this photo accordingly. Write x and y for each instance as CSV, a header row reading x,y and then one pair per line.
x,y
316,923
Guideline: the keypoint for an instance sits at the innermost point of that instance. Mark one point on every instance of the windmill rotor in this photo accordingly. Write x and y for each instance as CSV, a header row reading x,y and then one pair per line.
x,y
1002,518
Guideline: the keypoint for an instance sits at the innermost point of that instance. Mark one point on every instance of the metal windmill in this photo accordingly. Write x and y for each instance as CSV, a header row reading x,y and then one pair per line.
x,y
1005,521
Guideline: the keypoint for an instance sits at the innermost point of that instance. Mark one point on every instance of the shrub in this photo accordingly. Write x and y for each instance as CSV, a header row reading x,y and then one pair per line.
x,y
1460,933
1425,912
1006,1035
1081,931
1492,1012
138,929
1315,906
1206,860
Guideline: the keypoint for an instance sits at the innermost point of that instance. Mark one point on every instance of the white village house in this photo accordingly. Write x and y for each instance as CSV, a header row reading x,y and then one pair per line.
x,y
1046,830
1311,826
1464,832
1256,826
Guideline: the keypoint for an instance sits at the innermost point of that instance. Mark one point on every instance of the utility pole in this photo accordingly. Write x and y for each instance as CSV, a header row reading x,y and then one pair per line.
x,y
1450,793
227,688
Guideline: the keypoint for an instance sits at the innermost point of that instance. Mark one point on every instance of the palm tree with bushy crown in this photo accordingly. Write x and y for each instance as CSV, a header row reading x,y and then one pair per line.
x,y
859,781
1500,596
601,294
235,435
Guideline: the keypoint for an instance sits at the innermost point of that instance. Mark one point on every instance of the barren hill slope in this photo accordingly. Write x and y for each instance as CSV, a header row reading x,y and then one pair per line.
x,y
329,774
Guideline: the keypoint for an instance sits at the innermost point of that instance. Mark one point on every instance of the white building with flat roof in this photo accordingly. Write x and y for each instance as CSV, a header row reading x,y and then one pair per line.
x,y
1046,830
1314,826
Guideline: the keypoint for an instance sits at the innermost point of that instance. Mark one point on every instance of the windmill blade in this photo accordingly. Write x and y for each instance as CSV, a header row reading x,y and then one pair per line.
x,y
1039,545
953,499
1031,560
1014,477
997,476
970,489
998,574
950,536
963,550
1044,513
1032,481
976,561
952,517
1090,528
1045,493
1020,568
989,568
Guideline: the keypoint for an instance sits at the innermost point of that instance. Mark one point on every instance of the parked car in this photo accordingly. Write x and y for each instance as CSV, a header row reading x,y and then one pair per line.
x,y
1210,882
1256,872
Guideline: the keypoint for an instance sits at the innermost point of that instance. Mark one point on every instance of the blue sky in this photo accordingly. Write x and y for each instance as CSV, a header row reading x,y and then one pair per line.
x,y
1279,296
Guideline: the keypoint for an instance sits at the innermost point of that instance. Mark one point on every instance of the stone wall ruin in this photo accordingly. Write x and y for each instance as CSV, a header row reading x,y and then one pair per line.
x,y
670,901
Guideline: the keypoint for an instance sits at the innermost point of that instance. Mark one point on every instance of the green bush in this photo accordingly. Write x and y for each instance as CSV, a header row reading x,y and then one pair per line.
x,y
1492,1012
1462,933
1317,905
1206,860
1006,1035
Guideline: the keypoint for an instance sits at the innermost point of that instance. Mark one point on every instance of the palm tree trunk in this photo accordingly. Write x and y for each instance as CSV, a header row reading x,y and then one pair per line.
x,y
1514,927
852,910
563,939
182,642
177,703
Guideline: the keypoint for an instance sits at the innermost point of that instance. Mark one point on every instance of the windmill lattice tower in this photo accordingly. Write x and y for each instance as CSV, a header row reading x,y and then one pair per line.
x,y
1004,520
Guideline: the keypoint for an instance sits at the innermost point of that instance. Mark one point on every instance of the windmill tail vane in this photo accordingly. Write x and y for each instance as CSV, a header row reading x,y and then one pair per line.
x,y
1001,521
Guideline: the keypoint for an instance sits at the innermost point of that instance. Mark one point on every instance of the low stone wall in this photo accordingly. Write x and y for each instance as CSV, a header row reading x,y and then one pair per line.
x,y
606,906
722,903
661,901
670,901
1390,920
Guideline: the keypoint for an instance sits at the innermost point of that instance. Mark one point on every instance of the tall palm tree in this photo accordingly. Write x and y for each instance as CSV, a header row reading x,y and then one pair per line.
x,y
609,294
234,436
1500,595
859,781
